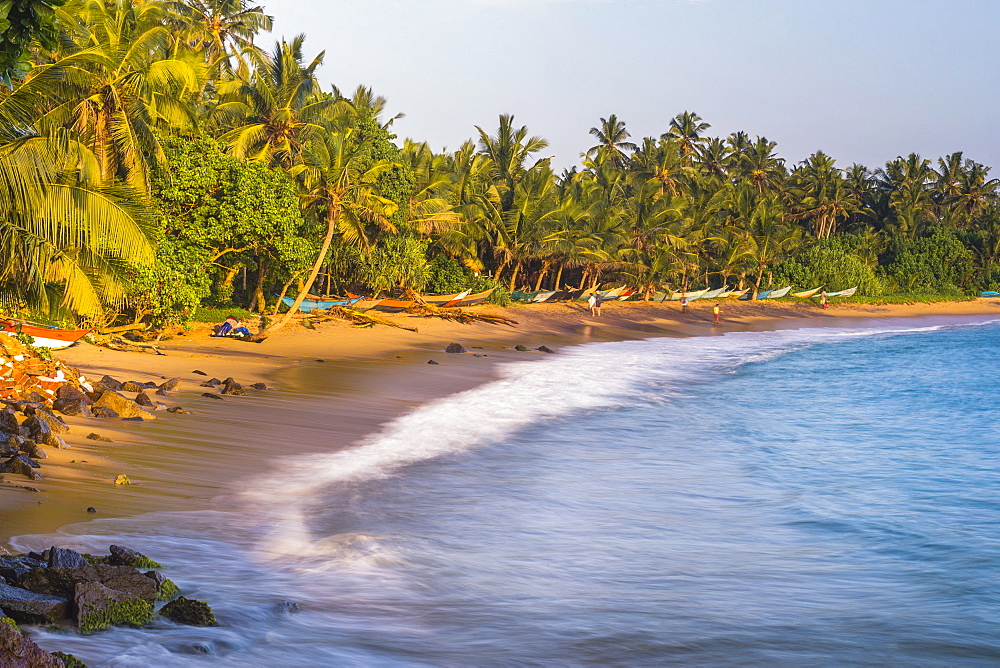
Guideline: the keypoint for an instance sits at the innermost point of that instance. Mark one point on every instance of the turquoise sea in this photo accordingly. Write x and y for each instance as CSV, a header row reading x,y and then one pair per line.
x,y
821,496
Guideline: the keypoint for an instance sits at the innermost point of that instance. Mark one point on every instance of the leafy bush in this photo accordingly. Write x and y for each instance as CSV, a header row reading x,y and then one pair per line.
x,y
206,314
937,263
445,276
837,263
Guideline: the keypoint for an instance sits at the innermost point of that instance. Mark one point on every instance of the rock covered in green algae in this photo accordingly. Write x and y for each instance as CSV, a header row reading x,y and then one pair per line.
x,y
19,651
69,660
190,612
98,607
124,556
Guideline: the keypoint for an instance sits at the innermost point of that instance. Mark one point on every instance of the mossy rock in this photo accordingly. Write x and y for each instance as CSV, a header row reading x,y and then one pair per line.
x,y
8,620
70,660
168,591
98,607
124,556
96,558
190,612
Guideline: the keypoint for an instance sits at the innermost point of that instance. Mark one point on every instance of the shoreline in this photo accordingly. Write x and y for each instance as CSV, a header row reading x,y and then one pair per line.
x,y
368,377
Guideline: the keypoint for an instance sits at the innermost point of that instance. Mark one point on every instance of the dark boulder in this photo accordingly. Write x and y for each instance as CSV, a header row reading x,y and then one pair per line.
x,y
210,395
123,407
30,608
104,412
110,383
143,399
455,348
69,660
207,383
170,385
521,348
190,612
63,581
68,391
13,568
214,381
132,386
97,437
32,449
73,406
8,449
98,607
233,389
54,441
8,422
21,465
259,386
126,556
544,349
161,392
178,409
63,558
37,427
199,372
19,651
432,362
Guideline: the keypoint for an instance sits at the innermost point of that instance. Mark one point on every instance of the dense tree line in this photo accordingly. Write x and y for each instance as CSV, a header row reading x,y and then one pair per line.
x,y
154,157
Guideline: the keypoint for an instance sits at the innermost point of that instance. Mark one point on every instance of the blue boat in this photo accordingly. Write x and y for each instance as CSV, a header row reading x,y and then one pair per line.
x,y
991,293
319,305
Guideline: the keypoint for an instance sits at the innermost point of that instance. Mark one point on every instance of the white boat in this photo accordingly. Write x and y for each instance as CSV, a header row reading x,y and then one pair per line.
x,y
778,294
843,293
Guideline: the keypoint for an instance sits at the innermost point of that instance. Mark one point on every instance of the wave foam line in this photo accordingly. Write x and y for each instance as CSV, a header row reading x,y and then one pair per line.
x,y
583,378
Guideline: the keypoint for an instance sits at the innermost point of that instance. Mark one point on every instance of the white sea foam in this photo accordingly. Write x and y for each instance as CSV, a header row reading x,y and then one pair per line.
x,y
584,378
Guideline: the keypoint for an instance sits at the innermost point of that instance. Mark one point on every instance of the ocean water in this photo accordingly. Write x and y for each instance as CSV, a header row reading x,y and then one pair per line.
x,y
820,496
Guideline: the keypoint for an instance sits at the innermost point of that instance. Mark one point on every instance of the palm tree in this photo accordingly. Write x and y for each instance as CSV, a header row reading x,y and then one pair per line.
x,y
507,153
612,141
337,190
274,114
687,128
821,195
221,30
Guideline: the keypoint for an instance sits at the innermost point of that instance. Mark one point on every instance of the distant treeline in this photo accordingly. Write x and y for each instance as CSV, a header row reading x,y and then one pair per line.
x,y
154,159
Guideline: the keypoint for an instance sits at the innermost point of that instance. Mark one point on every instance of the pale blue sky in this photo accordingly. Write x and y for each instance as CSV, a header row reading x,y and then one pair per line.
x,y
864,81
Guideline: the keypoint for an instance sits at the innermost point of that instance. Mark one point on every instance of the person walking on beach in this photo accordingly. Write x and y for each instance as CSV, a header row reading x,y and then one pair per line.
x,y
822,299
594,304
684,304
598,300
715,315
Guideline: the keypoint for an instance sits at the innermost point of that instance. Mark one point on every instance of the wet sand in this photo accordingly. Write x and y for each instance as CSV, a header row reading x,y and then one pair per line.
x,y
330,387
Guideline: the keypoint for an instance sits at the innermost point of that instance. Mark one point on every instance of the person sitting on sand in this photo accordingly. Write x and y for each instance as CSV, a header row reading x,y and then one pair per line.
x,y
231,327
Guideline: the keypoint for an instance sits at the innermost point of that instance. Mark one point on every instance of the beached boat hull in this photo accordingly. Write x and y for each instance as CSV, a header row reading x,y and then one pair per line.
x,y
806,294
849,292
393,305
990,293
778,294
445,300
319,305
476,298
46,337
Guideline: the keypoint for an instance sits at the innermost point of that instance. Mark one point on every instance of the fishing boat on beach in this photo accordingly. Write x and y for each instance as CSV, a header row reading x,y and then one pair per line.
x,y
393,305
677,296
445,300
44,337
843,293
806,294
475,298
308,305
778,294
990,293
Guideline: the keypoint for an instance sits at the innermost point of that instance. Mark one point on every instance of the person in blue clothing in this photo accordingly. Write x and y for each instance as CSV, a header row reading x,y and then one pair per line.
x,y
231,327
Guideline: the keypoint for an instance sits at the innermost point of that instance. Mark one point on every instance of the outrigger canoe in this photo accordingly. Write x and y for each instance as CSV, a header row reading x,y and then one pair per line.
x,y
991,293
806,294
445,300
849,292
713,294
45,337
319,304
677,296
778,294
393,305
476,298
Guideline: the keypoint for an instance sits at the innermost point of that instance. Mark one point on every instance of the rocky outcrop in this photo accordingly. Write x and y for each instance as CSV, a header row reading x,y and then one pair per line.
x,y
98,607
19,651
170,385
232,388
189,612
21,465
132,386
123,407
125,556
62,558
455,348
29,607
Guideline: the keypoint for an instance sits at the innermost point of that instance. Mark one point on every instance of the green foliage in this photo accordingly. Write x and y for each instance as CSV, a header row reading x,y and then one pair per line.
x,y
217,315
10,622
21,23
445,276
936,263
127,612
837,263
216,212
991,277
142,561
395,262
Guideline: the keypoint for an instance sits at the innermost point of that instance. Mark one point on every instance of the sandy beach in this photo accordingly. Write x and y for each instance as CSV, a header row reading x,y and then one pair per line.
x,y
195,461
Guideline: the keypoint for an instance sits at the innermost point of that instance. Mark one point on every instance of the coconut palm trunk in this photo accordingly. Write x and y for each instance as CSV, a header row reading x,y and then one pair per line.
x,y
331,228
